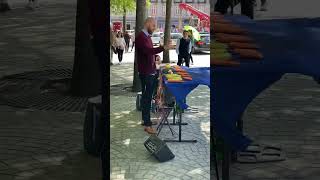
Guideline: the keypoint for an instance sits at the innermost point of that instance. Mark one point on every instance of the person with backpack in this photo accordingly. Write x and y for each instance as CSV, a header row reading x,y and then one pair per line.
x,y
183,49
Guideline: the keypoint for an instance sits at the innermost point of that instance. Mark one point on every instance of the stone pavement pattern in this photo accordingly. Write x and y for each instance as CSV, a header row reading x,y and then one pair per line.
x,y
130,159
286,114
41,145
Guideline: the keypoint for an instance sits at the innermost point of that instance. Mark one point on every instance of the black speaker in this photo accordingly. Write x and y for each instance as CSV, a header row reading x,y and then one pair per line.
x,y
158,149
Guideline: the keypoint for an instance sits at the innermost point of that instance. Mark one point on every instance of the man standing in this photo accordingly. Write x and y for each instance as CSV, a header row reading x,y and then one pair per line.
x,y
147,69
183,49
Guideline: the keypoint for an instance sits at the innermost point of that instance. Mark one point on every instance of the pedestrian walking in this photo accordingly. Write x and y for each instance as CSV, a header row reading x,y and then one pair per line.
x,y
120,44
183,49
263,5
147,69
247,6
133,40
32,4
192,44
127,40
112,45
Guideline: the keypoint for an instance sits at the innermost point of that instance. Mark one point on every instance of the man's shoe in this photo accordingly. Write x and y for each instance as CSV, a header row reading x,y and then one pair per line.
x,y
150,130
153,123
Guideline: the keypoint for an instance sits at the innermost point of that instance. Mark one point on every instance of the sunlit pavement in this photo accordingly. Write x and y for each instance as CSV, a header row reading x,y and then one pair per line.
x,y
201,59
129,157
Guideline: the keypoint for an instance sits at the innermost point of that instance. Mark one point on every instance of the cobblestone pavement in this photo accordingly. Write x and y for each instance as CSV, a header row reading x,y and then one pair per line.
x,y
41,145
130,159
287,114
34,40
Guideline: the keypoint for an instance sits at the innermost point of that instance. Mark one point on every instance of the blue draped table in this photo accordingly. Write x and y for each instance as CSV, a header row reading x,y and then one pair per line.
x,y
288,46
200,76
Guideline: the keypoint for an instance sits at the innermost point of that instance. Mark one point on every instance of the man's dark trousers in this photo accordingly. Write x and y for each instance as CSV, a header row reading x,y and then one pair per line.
x,y
147,87
186,58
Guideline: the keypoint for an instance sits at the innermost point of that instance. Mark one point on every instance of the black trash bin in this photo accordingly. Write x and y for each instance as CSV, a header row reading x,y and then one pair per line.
x,y
93,127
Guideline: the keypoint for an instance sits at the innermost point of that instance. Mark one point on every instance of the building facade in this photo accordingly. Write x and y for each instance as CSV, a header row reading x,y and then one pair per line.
x,y
157,10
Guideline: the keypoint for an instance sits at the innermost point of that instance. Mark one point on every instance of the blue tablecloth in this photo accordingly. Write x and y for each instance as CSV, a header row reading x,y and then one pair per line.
x,y
200,76
288,46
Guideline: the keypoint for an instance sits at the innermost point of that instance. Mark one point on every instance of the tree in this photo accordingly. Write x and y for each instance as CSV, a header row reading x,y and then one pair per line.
x,y
140,17
122,7
86,76
166,56
4,6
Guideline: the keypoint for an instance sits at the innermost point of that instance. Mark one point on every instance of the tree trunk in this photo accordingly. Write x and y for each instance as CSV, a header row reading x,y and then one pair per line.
x,y
140,17
4,6
86,79
124,20
166,55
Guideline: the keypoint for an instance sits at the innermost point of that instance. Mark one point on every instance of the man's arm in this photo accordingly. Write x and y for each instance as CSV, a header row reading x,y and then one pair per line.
x,y
142,44
177,46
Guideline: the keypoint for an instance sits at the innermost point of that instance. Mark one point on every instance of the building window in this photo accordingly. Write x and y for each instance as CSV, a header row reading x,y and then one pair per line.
x,y
201,1
189,1
163,10
153,10
201,8
177,10
177,1
153,1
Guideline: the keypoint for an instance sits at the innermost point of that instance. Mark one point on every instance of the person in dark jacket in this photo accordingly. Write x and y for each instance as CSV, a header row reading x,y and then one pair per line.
x,y
147,69
183,49
247,7
127,40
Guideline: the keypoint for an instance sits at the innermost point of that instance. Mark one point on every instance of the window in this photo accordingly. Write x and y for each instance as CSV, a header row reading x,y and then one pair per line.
x,y
201,8
153,1
177,1
163,10
201,1
177,10
189,1
153,10
163,1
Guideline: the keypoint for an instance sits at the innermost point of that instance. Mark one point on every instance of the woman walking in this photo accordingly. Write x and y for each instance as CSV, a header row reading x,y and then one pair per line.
x,y
120,44
133,39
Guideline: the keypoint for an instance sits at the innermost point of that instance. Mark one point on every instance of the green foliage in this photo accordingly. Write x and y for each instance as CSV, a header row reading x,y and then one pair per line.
x,y
118,7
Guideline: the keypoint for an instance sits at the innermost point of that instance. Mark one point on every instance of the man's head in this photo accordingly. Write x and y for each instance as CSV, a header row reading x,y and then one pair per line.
x,y
150,25
185,34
